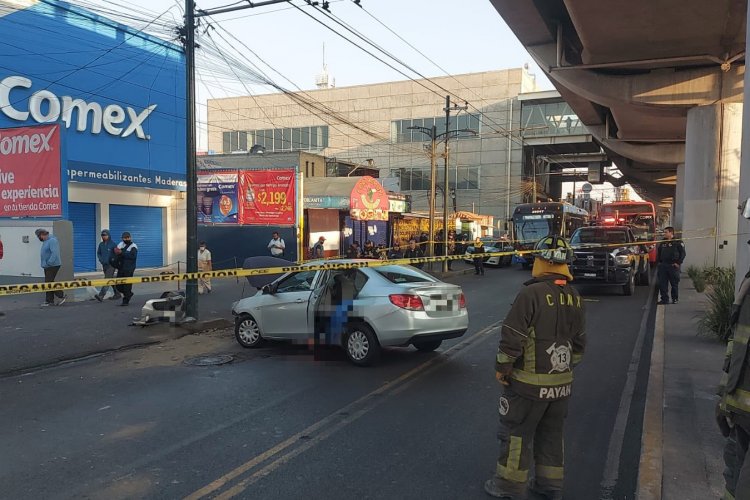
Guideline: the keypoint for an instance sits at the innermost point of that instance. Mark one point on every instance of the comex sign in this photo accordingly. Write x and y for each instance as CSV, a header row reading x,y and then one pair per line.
x,y
112,118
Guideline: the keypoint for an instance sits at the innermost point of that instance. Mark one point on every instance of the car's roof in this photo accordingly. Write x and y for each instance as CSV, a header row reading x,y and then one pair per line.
x,y
607,228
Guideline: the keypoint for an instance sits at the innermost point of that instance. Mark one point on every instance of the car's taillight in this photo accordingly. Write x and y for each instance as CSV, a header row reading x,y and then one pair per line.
x,y
462,301
410,302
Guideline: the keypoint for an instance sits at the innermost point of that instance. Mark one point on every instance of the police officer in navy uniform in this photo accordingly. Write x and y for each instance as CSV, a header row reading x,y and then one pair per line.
x,y
670,255
542,339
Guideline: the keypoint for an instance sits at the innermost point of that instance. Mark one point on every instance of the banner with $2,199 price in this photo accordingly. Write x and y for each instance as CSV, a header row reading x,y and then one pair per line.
x,y
267,197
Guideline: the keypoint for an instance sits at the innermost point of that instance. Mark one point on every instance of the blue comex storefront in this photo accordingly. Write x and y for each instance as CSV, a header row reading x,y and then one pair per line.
x,y
119,96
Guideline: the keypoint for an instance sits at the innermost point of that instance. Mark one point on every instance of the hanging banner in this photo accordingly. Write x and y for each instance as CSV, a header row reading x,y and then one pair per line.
x,y
217,197
30,172
369,200
267,197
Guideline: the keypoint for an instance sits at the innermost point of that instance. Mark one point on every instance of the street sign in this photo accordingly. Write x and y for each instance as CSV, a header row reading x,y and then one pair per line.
x,y
586,188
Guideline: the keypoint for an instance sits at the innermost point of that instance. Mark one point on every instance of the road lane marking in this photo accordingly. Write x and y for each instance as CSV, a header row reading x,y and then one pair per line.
x,y
651,463
331,424
616,439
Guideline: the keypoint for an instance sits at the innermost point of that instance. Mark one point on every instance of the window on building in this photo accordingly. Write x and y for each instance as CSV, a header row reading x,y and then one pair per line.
x,y
400,131
418,178
280,139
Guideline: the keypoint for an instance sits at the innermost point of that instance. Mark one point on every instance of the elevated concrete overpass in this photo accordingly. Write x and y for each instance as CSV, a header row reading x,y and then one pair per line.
x,y
660,87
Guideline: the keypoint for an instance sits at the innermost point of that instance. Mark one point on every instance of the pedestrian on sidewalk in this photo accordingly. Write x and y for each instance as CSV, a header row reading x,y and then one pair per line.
x,y
395,252
733,409
478,257
542,339
318,249
414,252
276,245
451,248
51,262
105,253
127,256
204,265
669,255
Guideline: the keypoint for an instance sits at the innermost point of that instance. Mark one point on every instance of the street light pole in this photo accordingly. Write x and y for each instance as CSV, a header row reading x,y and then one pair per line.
x,y
433,184
447,110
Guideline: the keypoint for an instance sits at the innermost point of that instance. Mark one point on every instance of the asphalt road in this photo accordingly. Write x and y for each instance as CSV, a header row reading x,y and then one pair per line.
x,y
274,423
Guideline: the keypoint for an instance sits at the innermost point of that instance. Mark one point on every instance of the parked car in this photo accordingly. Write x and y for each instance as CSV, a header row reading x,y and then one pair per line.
x,y
609,255
492,245
392,306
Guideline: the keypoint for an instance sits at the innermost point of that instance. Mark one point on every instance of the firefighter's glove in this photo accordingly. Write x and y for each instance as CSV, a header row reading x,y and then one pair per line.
x,y
722,421
735,316
502,373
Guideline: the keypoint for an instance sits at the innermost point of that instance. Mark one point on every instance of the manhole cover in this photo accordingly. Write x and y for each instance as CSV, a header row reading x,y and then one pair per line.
x,y
219,359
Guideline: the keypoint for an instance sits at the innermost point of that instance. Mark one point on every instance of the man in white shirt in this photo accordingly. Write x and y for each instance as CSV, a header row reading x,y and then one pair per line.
x,y
204,265
276,245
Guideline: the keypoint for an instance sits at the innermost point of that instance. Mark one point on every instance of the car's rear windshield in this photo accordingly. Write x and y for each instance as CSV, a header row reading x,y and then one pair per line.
x,y
601,236
403,274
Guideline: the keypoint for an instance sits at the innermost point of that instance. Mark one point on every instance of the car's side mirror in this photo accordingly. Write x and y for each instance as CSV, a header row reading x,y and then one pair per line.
x,y
745,207
269,289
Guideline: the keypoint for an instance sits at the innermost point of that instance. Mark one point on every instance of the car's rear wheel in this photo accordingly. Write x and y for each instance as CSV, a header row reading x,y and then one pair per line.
x,y
361,345
428,346
629,287
247,331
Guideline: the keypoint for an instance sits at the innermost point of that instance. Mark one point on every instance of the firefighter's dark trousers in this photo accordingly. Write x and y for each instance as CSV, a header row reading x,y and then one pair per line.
x,y
531,432
737,461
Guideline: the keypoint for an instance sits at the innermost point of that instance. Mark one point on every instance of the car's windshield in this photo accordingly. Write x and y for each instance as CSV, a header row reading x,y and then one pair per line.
x,y
643,226
588,236
404,274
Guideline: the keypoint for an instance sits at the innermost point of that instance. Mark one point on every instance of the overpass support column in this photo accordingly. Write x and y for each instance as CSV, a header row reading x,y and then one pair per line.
x,y
711,184
743,249
678,205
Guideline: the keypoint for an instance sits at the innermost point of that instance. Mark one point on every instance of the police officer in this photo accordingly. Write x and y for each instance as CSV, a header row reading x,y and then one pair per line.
x,y
669,256
542,339
733,410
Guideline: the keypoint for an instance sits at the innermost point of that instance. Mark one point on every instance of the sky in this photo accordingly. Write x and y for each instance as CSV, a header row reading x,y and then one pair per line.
x,y
460,37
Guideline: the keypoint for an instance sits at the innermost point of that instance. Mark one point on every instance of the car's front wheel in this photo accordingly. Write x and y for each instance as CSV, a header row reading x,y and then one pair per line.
x,y
629,287
428,346
247,331
361,345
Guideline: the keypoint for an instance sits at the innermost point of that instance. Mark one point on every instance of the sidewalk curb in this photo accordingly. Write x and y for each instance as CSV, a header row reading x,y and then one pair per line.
x,y
186,329
650,468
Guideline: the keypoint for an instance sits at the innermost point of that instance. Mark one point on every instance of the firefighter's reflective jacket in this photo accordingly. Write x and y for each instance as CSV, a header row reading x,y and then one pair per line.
x,y
543,338
735,382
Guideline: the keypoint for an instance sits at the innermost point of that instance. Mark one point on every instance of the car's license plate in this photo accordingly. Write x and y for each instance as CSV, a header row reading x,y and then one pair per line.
x,y
589,275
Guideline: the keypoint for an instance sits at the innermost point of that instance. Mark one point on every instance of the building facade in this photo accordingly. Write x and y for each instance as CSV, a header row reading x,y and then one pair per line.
x,y
370,125
118,97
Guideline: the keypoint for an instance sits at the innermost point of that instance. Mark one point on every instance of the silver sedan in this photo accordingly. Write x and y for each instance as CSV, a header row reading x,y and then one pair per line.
x,y
360,309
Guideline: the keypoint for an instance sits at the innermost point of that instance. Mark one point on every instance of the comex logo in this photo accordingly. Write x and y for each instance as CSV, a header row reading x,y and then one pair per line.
x,y
112,118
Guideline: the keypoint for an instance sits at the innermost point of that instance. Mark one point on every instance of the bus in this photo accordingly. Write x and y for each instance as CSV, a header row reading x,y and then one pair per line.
x,y
639,215
534,221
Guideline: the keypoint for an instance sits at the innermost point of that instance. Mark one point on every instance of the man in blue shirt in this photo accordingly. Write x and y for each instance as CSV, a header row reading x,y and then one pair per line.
x,y
50,259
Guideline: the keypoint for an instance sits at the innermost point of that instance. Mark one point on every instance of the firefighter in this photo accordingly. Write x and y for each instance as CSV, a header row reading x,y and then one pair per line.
x,y
733,409
542,339
669,256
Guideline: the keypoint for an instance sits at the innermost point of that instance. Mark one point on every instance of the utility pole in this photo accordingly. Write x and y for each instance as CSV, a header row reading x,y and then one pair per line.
x,y
191,226
447,110
191,287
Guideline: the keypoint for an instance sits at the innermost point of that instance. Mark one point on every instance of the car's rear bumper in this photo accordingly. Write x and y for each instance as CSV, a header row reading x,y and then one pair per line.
x,y
399,327
429,337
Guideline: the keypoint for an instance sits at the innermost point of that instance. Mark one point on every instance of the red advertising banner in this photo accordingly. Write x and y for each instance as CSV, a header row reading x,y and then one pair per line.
x,y
267,197
369,200
30,178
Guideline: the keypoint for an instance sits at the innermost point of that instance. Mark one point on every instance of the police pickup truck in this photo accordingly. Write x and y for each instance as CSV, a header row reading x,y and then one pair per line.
x,y
609,255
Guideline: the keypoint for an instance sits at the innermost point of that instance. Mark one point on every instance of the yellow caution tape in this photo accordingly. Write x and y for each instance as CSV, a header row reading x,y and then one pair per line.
x,y
25,288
